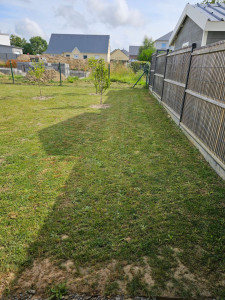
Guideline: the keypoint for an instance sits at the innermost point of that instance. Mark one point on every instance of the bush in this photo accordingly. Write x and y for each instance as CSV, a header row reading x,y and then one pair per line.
x,y
138,65
123,74
72,79
13,61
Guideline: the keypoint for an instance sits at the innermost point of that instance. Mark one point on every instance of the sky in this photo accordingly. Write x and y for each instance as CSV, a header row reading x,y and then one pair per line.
x,y
126,21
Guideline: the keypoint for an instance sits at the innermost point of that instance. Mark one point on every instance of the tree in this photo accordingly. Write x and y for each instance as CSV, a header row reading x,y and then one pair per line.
x,y
102,81
38,72
146,50
92,63
213,1
17,41
27,49
38,45
146,55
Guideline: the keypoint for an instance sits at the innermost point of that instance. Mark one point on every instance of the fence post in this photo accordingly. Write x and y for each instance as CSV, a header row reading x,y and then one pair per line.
x,y
12,71
60,73
186,84
164,75
154,70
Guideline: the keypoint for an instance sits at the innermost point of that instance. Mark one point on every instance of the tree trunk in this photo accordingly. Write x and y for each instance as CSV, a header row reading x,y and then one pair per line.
x,y
101,99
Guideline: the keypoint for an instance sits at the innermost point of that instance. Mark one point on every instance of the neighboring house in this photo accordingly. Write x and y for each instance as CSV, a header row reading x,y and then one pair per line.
x,y
133,52
80,46
6,50
118,55
202,24
162,43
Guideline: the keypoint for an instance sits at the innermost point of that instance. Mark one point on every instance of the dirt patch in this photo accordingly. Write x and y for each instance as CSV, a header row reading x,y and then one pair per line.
x,y
90,280
93,94
48,75
1,160
41,98
100,106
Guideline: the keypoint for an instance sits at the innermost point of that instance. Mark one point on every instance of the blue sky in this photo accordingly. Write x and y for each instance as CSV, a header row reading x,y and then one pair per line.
x,y
127,21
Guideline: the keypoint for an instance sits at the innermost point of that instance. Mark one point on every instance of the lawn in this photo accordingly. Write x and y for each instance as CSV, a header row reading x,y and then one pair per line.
x,y
113,201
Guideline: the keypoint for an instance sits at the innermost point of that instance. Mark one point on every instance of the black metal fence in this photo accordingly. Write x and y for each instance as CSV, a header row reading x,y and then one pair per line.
x,y
191,85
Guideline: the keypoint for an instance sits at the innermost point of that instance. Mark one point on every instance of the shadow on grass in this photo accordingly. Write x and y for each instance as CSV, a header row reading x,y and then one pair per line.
x,y
126,197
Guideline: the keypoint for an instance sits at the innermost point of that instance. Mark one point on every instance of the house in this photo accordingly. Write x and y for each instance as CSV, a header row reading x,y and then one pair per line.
x,y
202,24
80,46
133,52
162,43
6,50
118,55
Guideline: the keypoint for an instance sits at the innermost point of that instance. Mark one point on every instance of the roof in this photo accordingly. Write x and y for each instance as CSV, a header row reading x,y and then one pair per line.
x,y
165,37
123,50
209,17
134,50
11,46
60,43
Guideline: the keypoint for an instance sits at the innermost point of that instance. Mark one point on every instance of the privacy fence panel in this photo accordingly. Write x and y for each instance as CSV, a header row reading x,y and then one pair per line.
x,y
204,105
159,73
175,79
152,69
191,85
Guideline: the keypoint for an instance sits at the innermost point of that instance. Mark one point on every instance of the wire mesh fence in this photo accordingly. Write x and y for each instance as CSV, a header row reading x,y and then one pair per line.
x,y
193,89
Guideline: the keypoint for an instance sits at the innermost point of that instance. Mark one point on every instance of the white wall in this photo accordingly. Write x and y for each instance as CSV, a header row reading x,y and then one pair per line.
x,y
4,39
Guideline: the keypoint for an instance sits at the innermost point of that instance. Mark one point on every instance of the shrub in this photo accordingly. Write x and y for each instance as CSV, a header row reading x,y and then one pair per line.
x,y
13,61
72,79
137,65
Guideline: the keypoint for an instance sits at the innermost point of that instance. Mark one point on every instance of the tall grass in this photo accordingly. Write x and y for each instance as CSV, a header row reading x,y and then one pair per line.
x,y
125,74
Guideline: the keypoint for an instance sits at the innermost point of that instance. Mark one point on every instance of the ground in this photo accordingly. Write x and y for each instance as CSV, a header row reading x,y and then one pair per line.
x,y
112,201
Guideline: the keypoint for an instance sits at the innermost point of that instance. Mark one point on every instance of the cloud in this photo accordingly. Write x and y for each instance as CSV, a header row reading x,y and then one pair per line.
x,y
116,13
71,16
28,28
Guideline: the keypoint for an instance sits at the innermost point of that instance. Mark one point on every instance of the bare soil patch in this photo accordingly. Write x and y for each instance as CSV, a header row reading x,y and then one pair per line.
x,y
100,106
84,280
41,98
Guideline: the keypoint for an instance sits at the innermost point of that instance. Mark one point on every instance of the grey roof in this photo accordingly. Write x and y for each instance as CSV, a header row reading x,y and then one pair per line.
x,y
125,52
60,43
165,37
133,50
214,12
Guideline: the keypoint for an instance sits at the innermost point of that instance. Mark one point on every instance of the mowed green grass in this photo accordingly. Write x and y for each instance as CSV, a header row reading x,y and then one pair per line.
x,y
121,183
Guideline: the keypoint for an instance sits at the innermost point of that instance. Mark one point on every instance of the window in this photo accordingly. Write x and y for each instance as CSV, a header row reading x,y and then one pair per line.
x,y
85,56
97,56
67,55
76,56
163,45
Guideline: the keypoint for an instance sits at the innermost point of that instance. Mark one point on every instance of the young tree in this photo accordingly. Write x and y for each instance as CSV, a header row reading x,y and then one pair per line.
x,y
92,63
102,81
146,50
38,72
38,45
